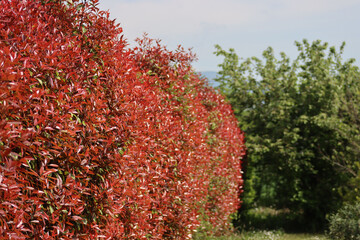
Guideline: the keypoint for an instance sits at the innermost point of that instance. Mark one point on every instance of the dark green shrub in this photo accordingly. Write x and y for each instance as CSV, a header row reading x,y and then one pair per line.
x,y
301,122
345,224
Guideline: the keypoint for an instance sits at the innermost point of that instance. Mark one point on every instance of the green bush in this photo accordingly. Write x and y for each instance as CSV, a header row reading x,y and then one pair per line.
x,y
345,224
301,123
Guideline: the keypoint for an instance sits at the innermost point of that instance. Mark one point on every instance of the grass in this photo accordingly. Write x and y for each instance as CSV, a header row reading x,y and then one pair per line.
x,y
265,218
267,235
267,224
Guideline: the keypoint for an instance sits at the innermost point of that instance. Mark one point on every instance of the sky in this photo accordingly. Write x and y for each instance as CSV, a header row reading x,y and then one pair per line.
x,y
248,26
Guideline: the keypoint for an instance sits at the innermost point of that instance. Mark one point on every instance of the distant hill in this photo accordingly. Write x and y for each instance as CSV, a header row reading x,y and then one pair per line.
x,y
210,75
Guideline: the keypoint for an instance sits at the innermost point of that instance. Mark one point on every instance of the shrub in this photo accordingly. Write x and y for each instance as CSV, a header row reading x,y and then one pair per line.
x,y
345,224
101,141
301,117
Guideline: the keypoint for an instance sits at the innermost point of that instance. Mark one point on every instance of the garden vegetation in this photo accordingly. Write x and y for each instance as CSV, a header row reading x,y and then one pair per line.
x,y
102,141
301,119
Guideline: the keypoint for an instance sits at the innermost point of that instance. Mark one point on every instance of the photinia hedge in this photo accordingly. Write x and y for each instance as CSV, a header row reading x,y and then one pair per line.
x,y
99,140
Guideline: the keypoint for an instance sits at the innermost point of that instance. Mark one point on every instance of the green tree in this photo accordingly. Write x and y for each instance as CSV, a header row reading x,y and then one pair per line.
x,y
301,119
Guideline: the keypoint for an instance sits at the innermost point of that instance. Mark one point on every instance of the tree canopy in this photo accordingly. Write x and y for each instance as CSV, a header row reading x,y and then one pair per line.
x,y
301,119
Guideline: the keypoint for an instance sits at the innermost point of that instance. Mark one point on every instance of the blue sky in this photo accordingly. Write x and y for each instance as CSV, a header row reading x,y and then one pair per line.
x,y
248,26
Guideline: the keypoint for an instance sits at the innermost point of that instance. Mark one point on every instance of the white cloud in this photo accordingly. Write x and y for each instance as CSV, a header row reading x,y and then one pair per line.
x,y
249,26
178,17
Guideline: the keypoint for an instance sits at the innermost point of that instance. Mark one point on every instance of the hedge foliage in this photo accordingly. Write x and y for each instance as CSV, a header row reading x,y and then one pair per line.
x,y
99,140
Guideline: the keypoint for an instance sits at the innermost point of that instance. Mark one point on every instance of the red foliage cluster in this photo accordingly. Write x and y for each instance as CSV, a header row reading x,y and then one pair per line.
x,y
101,141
